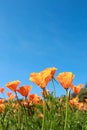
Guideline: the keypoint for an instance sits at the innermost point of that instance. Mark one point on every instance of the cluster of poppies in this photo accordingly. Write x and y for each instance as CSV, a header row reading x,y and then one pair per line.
x,y
41,79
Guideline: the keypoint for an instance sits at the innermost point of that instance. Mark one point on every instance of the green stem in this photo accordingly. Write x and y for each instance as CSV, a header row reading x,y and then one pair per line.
x,y
66,114
19,123
19,114
43,111
54,88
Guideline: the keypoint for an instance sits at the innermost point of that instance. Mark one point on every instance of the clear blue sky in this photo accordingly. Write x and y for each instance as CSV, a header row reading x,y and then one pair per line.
x,y
36,34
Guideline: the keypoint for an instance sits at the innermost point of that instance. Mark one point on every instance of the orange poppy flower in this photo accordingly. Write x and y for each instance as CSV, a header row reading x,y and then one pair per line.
x,y
11,96
24,103
34,98
65,79
42,78
9,93
13,85
15,106
2,101
1,90
2,107
80,106
85,99
24,90
74,101
76,89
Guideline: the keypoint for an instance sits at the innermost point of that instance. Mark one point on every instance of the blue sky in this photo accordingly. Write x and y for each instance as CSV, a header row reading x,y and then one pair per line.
x,y
36,34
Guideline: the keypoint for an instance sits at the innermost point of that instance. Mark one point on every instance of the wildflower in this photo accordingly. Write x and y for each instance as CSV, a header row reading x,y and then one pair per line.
x,y
76,89
15,106
85,99
34,98
1,90
42,78
9,93
24,103
24,90
80,106
13,85
2,107
11,96
65,79
2,101
74,101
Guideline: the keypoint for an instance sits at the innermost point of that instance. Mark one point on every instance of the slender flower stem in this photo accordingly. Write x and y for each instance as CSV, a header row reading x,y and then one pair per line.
x,y
43,110
66,114
19,110
54,88
55,80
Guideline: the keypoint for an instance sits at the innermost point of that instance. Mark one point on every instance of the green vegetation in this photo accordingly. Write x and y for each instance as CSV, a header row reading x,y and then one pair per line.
x,y
18,116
